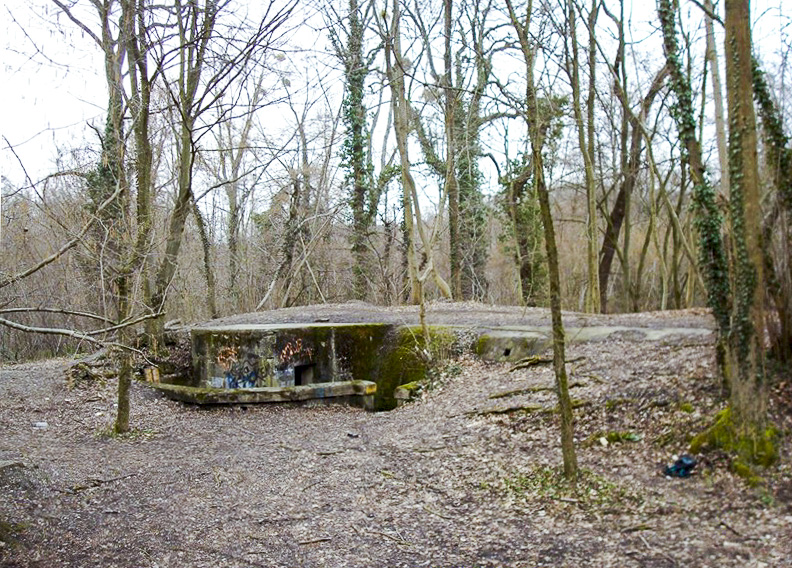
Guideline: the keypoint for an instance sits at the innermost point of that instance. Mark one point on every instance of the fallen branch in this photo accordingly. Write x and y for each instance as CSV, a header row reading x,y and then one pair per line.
x,y
330,452
529,390
529,408
535,360
433,512
596,378
96,482
307,487
397,539
315,540
566,500
732,529
429,449
530,362
508,410
638,528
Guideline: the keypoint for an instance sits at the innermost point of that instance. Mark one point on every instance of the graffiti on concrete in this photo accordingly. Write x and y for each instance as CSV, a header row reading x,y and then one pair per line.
x,y
295,350
237,374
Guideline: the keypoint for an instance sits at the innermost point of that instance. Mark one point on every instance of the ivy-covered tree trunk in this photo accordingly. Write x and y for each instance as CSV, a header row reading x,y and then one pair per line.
x,y
472,209
778,223
109,176
708,221
452,186
737,296
748,388
363,194
525,228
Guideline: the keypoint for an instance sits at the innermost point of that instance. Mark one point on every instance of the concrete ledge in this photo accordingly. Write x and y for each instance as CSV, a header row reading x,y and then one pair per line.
x,y
355,393
511,345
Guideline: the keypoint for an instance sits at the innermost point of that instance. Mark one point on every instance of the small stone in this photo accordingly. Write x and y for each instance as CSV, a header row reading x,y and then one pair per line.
x,y
603,441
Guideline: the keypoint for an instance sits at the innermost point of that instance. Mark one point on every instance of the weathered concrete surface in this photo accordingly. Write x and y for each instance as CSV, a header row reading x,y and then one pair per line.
x,y
354,393
466,314
512,343
284,355
253,356
298,347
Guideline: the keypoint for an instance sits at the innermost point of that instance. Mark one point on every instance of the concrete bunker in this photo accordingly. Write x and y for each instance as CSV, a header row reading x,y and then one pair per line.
x,y
361,364
355,363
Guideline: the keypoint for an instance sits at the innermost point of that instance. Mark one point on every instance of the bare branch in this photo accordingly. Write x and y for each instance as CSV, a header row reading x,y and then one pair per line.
x,y
55,311
125,324
78,22
66,247
73,334
51,331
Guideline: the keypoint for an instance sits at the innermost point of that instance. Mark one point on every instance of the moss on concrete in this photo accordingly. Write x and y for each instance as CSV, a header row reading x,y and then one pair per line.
x,y
405,359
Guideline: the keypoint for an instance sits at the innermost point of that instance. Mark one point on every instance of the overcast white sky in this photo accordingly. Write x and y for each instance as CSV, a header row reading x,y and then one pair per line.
x,y
52,81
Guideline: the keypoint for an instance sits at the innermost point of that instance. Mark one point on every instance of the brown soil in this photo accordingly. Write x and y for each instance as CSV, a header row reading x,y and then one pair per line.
x,y
435,483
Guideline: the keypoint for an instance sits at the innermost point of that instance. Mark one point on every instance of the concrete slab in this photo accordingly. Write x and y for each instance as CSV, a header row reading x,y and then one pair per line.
x,y
354,393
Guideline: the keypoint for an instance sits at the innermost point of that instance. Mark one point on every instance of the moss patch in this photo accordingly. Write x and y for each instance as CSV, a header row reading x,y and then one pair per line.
x,y
405,360
591,490
614,403
754,448
746,472
10,532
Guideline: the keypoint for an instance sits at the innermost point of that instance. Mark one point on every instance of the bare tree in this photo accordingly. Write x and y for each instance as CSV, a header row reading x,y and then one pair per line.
x,y
528,48
205,73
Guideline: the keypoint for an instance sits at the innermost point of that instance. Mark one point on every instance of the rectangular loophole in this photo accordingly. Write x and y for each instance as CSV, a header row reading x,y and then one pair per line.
x,y
304,374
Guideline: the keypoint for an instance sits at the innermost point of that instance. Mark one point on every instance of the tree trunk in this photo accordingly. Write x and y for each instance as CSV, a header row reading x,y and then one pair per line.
x,y
206,246
777,223
586,146
708,219
535,136
629,178
452,187
355,157
414,226
717,95
748,389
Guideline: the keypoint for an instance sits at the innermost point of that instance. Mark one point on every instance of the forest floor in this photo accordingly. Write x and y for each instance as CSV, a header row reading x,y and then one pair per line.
x,y
440,482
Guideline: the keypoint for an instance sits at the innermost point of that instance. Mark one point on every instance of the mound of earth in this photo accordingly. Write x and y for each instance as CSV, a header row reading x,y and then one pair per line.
x,y
467,475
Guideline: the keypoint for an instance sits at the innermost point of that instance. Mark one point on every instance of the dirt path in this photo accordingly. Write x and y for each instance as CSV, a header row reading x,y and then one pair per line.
x,y
435,483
